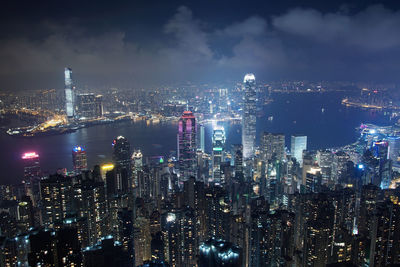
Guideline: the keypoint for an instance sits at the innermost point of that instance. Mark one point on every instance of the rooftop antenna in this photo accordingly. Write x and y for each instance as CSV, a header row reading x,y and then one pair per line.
x,y
187,106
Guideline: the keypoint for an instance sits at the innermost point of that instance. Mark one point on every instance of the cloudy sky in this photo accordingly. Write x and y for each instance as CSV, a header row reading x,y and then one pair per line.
x,y
150,43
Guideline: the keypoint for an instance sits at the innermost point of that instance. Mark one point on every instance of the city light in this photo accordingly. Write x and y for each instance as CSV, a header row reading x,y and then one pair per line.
x,y
107,167
78,149
30,155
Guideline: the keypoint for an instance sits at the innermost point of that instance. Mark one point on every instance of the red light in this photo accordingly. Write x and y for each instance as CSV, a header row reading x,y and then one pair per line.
x,y
30,155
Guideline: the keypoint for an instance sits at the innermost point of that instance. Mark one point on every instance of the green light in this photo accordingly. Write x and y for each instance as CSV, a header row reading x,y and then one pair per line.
x,y
217,148
161,160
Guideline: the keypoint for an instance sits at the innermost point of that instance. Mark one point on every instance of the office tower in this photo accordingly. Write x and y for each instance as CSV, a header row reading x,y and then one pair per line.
x,y
69,94
32,175
122,160
218,147
121,151
237,155
298,145
31,166
202,139
56,195
218,253
272,146
313,180
381,152
86,106
187,145
137,160
249,116
394,148
79,159
137,165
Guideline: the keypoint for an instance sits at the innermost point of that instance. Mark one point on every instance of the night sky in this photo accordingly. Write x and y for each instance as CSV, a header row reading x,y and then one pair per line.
x,y
151,43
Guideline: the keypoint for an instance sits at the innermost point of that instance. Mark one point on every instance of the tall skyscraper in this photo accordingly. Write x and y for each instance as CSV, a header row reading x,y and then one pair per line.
x,y
31,166
202,139
69,94
298,145
237,155
122,159
218,143
32,175
187,145
249,116
79,159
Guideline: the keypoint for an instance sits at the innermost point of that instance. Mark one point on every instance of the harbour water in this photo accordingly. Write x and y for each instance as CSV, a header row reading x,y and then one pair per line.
x,y
320,116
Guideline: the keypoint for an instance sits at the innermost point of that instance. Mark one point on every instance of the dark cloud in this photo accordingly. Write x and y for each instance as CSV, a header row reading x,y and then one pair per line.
x,y
375,28
300,43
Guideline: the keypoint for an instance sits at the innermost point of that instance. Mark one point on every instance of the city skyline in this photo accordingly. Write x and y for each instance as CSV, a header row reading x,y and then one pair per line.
x,y
200,134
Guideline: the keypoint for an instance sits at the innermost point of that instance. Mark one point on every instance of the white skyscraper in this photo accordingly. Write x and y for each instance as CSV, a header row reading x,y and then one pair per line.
x,y
69,94
218,142
249,116
298,145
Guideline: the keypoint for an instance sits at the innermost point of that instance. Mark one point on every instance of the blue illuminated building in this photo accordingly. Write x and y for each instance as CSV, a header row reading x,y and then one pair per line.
x,y
215,253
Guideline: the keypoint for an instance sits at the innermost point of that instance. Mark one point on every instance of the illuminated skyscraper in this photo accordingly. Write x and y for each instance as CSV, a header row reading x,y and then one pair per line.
x,y
237,155
79,159
31,166
69,94
218,144
298,145
122,158
187,145
249,116
57,195
202,138
137,165
32,175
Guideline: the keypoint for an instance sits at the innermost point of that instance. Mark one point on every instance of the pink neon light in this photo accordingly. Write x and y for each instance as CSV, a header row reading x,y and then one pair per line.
x,y
30,155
